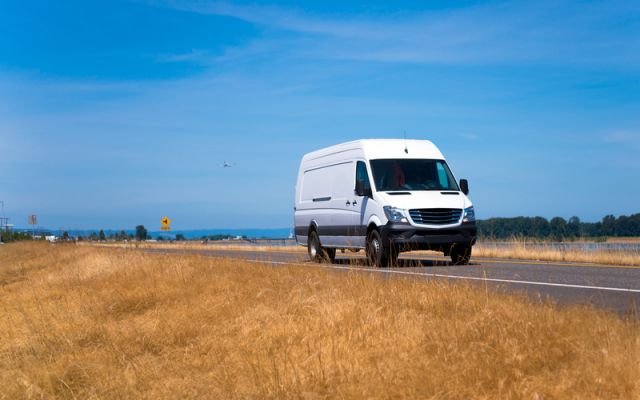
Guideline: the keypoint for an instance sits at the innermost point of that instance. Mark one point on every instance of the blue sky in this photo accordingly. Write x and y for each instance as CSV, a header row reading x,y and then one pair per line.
x,y
117,113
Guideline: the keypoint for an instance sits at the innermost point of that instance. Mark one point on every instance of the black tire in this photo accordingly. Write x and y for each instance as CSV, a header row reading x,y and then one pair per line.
x,y
460,254
379,255
394,253
316,252
329,254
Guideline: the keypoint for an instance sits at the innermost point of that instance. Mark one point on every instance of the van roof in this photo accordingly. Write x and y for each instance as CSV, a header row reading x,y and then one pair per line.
x,y
383,148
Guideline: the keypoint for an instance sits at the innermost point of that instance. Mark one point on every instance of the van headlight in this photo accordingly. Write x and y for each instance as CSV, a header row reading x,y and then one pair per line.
x,y
469,215
395,214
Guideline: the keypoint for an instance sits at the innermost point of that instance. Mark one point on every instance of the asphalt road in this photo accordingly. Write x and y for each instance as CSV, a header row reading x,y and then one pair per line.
x,y
616,288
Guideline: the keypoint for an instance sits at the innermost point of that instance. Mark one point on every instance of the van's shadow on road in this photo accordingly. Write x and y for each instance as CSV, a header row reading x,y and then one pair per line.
x,y
402,263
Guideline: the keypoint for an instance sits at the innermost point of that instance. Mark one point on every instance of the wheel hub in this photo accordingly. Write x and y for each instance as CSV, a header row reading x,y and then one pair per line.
x,y
376,246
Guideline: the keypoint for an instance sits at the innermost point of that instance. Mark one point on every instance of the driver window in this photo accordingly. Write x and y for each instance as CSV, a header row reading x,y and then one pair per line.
x,y
361,173
442,175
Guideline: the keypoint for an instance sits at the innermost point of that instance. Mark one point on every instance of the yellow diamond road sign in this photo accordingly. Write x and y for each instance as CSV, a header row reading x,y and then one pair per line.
x,y
165,224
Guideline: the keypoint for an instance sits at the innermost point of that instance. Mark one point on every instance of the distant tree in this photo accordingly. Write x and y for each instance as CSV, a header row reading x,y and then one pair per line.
x,y
13,236
180,236
122,235
540,227
65,235
220,237
608,226
573,228
102,236
141,232
93,236
558,228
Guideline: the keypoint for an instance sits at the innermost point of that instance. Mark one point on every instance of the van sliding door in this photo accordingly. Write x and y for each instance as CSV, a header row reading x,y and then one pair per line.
x,y
359,207
341,175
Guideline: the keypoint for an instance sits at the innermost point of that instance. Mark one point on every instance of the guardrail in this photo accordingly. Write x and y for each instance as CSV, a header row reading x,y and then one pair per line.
x,y
272,242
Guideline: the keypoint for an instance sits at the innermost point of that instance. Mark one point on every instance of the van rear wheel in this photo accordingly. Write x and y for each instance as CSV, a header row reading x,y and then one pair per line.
x,y
317,253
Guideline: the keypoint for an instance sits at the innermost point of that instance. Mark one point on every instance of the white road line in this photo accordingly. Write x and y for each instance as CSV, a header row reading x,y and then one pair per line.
x,y
470,278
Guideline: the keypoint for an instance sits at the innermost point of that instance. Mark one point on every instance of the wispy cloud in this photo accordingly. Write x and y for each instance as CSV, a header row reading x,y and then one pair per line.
x,y
572,33
280,18
625,138
195,55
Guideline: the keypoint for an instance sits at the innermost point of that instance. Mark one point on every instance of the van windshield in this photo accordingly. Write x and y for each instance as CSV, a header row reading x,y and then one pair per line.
x,y
412,174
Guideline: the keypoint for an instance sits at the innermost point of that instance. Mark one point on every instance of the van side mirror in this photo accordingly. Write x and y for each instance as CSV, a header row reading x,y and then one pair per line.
x,y
464,186
361,190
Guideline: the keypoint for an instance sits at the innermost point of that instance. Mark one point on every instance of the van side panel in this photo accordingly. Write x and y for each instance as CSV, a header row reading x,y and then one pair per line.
x,y
342,216
316,185
324,186
323,193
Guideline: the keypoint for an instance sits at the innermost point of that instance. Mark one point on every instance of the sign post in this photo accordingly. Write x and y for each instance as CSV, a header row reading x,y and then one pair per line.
x,y
166,224
33,221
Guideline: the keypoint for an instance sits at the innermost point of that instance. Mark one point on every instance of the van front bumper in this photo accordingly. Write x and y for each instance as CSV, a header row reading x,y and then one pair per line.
x,y
407,237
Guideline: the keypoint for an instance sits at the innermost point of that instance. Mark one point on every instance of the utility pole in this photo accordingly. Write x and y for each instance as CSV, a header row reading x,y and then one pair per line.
x,y
3,222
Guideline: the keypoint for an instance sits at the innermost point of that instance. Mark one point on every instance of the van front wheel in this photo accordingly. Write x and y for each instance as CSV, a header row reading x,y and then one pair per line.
x,y
460,254
379,255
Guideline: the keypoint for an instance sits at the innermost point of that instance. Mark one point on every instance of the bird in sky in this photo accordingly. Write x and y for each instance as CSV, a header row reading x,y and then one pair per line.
x,y
225,164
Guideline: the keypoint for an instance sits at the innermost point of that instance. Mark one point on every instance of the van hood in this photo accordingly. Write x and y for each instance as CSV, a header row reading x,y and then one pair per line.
x,y
424,199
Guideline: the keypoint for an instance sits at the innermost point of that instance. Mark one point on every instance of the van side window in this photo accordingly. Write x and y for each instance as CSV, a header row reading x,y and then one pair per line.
x,y
361,173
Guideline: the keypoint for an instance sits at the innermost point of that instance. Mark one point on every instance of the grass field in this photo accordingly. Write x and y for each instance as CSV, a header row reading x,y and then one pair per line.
x,y
196,245
624,240
88,322
523,250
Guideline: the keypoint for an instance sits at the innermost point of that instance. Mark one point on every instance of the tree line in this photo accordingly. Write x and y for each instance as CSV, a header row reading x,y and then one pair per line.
x,y
558,228
141,233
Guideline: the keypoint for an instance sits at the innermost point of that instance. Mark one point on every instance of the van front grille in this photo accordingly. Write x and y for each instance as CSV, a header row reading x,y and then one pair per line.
x,y
436,216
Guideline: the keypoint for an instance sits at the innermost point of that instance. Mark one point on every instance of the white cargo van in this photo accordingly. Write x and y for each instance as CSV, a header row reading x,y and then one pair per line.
x,y
384,196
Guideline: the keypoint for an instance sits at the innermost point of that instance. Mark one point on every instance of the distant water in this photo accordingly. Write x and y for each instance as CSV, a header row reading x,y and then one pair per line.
x,y
276,233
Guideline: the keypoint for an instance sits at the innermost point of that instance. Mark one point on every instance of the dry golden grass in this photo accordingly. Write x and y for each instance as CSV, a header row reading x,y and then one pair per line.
x,y
87,322
632,240
194,245
523,250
